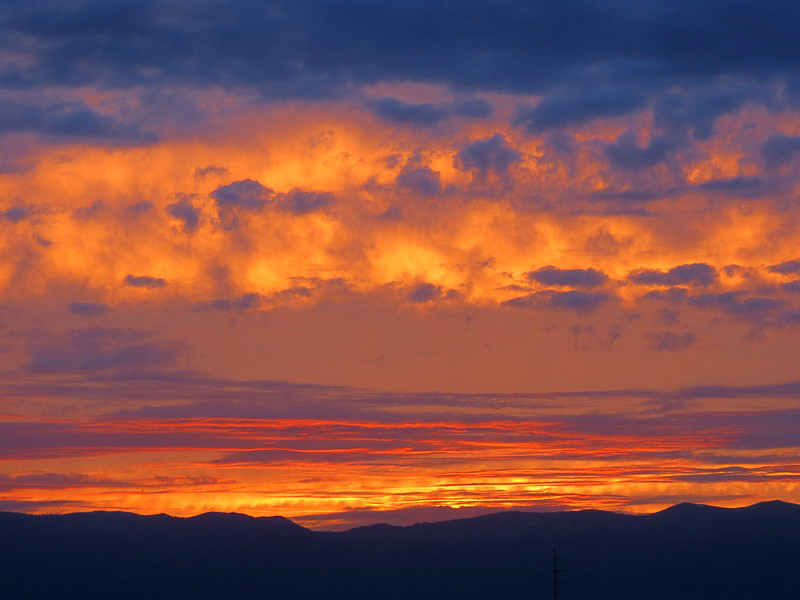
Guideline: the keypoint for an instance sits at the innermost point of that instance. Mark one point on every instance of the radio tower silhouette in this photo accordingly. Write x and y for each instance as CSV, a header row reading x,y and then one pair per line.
x,y
556,571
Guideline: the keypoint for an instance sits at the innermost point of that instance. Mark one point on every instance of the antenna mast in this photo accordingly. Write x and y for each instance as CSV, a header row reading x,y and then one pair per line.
x,y
556,571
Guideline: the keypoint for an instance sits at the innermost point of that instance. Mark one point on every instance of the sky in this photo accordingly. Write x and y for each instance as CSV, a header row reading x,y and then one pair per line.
x,y
363,261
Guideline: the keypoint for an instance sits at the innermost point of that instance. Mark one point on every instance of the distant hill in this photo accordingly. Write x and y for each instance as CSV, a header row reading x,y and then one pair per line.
x,y
685,552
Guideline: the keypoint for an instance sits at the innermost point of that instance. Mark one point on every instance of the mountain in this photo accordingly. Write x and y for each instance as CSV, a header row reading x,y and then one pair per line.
x,y
685,552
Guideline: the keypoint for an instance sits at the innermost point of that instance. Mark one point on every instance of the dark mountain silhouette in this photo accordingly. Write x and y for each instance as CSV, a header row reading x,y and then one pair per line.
x,y
685,552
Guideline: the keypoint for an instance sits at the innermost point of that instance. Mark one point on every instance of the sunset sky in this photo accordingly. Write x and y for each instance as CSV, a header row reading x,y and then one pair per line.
x,y
379,260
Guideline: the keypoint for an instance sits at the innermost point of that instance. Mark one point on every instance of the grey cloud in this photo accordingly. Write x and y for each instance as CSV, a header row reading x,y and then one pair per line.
x,y
577,105
397,111
87,309
738,304
210,170
692,274
669,341
492,154
779,149
424,292
627,154
145,281
185,211
427,114
243,302
792,286
301,201
789,267
586,278
97,349
697,113
245,194
20,212
570,300
673,295
423,181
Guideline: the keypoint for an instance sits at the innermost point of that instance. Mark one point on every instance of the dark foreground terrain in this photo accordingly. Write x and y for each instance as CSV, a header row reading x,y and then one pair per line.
x,y
683,553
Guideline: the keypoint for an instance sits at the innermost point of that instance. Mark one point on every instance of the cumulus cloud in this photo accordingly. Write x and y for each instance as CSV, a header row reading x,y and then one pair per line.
x,y
301,202
669,341
692,274
87,309
627,154
493,154
145,281
99,349
397,111
779,149
551,275
573,300
186,212
577,105
423,181
789,267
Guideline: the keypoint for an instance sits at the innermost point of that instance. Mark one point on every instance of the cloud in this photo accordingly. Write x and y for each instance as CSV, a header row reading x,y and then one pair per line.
x,y
738,303
145,281
492,154
789,267
423,181
87,309
301,202
580,104
20,212
66,119
585,278
185,211
406,113
669,341
696,113
243,302
98,349
627,154
692,274
573,300
779,149
246,194
424,292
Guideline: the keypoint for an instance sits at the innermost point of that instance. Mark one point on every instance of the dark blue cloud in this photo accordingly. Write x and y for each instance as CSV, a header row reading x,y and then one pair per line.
x,y
145,281
738,303
424,292
397,111
67,119
97,349
185,211
585,58
492,154
792,286
578,105
474,108
570,300
789,267
669,341
243,302
696,114
20,212
627,154
673,295
693,274
301,202
422,181
551,275
779,149
87,309
245,194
